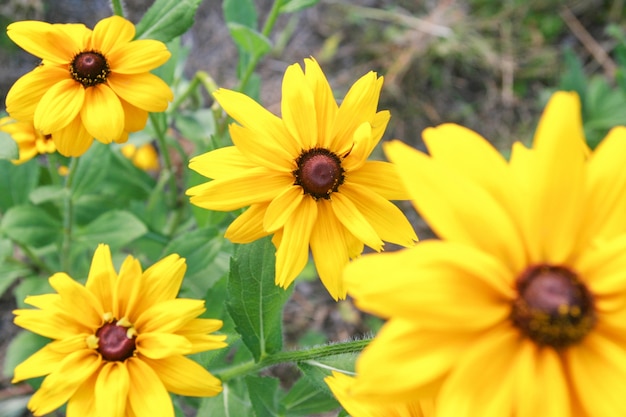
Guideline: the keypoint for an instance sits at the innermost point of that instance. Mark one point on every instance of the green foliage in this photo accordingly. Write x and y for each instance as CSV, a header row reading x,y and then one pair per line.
x,y
167,19
8,147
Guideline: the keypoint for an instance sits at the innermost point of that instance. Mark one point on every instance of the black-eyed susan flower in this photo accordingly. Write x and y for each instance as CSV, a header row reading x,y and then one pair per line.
x,y
520,308
30,142
341,385
119,342
306,176
89,83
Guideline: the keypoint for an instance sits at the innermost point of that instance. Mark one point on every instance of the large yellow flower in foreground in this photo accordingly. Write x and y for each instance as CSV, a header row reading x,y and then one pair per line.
x,y
341,384
30,142
306,176
520,308
119,342
89,83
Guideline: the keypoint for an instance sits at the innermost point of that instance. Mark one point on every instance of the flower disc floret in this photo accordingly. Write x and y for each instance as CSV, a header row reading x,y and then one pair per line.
x,y
116,342
319,173
89,68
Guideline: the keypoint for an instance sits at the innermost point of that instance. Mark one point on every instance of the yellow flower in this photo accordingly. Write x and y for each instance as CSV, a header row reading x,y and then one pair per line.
x,y
520,309
30,141
119,341
145,157
341,384
306,176
89,83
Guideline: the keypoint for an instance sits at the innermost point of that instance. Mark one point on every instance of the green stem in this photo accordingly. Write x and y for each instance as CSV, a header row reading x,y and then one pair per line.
x,y
168,171
292,356
118,7
68,217
53,168
267,29
36,260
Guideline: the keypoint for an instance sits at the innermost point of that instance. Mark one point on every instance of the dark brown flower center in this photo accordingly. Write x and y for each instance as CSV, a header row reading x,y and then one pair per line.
x,y
114,343
89,68
319,172
553,307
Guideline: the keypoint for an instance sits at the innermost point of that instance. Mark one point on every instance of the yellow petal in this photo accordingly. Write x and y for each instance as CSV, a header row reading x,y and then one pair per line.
x,y
428,279
100,100
128,291
298,108
60,385
183,376
169,316
102,276
361,148
268,154
597,369
73,139
381,178
293,252
556,202
135,119
282,207
82,402
145,91
138,56
602,268
220,163
248,227
162,345
550,380
414,362
111,390
387,220
354,221
24,96
45,41
330,250
325,104
42,362
162,281
59,106
257,185
147,395
264,125
456,208
78,301
111,32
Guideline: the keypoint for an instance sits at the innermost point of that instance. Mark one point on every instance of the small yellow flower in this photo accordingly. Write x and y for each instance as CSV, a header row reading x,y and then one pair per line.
x,y
145,157
119,342
30,141
306,176
520,308
89,83
341,384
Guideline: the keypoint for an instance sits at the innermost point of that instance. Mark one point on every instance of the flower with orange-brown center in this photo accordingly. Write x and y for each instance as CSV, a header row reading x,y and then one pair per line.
x,y
30,142
119,343
520,308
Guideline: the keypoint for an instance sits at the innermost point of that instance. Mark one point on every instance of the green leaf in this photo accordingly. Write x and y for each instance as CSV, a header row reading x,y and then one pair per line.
x,y
8,147
262,391
47,193
115,228
10,270
232,402
30,225
167,19
16,182
316,370
255,302
92,168
291,6
305,398
22,346
249,40
240,11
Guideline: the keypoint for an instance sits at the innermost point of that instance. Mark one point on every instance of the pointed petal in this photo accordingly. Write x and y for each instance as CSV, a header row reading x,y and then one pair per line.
x,y
162,345
361,148
111,390
325,104
135,119
456,208
257,185
602,268
259,152
264,125
145,91
220,163
42,362
138,56
73,139
45,41
162,281
82,402
248,227
330,250
354,221
111,32
102,277
147,395
298,108
293,252
380,178
169,316
102,114
24,96
387,220
59,106
78,301
128,291
183,376
282,207
427,280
